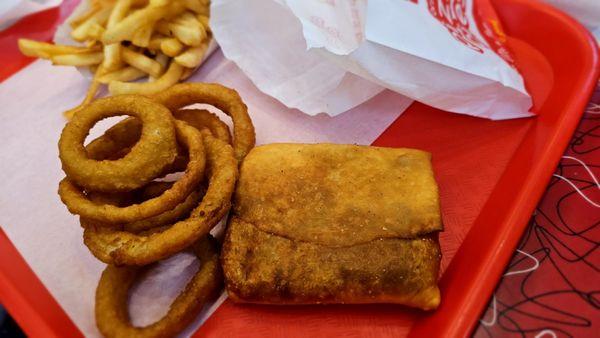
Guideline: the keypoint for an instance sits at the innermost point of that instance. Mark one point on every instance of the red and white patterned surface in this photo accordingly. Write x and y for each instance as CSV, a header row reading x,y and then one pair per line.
x,y
551,288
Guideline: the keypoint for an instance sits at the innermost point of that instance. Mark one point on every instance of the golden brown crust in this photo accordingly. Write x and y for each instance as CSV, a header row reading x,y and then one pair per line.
x,y
225,99
200,119
155,149
338,195
113,246
265,268
78,203
334,224
112,294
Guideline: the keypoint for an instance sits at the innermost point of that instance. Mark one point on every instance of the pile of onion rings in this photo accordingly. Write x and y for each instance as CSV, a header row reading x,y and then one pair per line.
x,y
131,216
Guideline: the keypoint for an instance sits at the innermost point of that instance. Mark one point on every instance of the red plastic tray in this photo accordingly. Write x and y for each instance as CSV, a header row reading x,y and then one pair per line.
x,y
491,176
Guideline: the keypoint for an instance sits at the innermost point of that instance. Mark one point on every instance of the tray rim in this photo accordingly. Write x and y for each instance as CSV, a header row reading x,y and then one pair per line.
x,y
519,208
20,287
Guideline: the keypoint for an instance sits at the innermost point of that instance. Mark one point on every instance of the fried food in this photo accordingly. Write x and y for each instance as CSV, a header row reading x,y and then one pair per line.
x,y
117,247
112,293
180,211
264,268
47,50
152,190
169,78
361,220
121,247
124,40
155,149
130,215
200,119
77,203
225,99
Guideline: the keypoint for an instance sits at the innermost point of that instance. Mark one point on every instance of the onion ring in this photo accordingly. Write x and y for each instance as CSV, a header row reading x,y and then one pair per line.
x,y
182,210
117,141
124,248
200,119
78,203
225,99
168,217
112,293
155,149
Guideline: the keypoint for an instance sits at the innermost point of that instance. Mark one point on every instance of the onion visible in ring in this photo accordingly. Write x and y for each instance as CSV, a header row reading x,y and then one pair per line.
x,y
78,203
155,149
123,248
200,119
225,99
168,217
112,293
182,210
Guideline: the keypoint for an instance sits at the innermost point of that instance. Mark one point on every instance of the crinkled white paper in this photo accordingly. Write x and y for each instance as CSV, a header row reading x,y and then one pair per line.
x,y
308,53
265,40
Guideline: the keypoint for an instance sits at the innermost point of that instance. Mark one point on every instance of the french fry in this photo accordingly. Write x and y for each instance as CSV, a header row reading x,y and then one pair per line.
x,y
163,27
141,37
119,12
78,60
141,62
47,50
162,59
187,73
103,3
112,57
95,32
171,47
204,21
159,2
84,16
155,42
186,18
146,16
126,40
169,78
81,32
193,5
164,62
192,57
124,74
112,52
92,44
191,35
199,7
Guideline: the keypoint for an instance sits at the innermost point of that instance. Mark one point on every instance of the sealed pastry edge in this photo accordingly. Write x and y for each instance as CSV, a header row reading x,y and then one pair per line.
x,y
427,297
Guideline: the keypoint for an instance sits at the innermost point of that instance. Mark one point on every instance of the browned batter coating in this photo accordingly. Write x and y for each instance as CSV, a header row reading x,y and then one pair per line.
x,y
334,224
265,268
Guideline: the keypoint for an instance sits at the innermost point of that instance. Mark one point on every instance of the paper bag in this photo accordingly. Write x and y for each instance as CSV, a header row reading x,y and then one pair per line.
x,y
328,56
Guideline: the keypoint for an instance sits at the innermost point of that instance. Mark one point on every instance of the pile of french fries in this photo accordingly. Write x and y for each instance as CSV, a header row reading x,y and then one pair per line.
x,y
126,40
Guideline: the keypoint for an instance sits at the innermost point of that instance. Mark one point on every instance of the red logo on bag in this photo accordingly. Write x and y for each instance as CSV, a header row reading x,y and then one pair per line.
x,y
491,29
453,15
